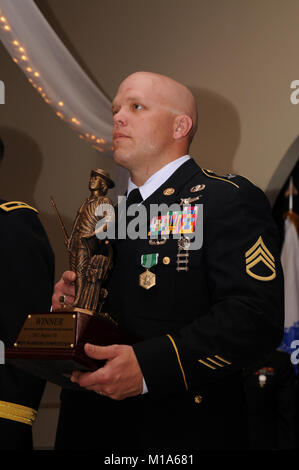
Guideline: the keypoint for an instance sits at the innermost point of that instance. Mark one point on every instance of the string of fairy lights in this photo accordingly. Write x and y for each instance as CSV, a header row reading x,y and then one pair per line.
x,y
21,57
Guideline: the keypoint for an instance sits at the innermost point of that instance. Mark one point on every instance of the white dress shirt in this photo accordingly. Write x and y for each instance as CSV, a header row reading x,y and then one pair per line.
x,y
157,179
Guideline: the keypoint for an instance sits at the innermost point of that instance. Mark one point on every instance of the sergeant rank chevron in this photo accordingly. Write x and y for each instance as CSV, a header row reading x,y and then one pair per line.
x,y
259,261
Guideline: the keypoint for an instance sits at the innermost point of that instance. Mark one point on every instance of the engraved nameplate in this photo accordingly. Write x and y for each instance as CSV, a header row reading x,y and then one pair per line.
x,y
51,330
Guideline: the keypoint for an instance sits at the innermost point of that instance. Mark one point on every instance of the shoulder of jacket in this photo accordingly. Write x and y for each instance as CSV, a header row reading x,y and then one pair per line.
x,y
11,206
231,185
229,178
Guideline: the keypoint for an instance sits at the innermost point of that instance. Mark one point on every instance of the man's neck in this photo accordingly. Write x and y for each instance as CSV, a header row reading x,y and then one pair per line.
x,y
158,178
140,175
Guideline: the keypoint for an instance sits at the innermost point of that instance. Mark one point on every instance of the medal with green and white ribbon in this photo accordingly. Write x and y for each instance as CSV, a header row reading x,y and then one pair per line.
x,y
147,279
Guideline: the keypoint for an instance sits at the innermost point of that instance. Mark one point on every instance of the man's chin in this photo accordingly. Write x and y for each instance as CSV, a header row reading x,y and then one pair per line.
x,y
122,159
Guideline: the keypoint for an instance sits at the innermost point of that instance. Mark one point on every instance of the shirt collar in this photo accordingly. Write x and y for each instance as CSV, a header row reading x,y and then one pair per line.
x,y
158,178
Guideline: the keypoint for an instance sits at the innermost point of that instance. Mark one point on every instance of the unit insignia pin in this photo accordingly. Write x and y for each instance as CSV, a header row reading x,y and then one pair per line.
x,y
168,191
197,188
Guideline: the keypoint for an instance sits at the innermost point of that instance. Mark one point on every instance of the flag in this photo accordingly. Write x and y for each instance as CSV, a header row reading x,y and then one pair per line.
x,y
290,265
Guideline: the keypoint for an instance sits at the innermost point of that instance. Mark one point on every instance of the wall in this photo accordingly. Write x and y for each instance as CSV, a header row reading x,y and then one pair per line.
x,y
238,57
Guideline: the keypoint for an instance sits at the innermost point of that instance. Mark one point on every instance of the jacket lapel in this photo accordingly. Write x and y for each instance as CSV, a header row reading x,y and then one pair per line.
x,y
176,182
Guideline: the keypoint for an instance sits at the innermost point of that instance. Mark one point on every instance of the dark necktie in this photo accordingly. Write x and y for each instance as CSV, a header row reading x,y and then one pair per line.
x,y
134,197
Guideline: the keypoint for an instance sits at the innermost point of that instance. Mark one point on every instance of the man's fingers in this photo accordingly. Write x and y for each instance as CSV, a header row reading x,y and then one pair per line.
x,y
64,287
88,379
119,378
68,299
69,277
75,376
57,301
101,352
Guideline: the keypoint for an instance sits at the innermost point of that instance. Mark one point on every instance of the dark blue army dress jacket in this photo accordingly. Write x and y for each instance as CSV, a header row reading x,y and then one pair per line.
x,y
209,312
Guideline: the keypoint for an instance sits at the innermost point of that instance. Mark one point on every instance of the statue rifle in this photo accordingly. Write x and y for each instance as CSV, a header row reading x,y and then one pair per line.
x,y
66,238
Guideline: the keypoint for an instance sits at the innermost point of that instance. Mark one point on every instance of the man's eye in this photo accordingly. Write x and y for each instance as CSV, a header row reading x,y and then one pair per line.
x,y
137,106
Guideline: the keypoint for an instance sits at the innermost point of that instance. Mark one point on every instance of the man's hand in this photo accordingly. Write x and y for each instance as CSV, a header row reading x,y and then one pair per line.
x,y
64,287
121,376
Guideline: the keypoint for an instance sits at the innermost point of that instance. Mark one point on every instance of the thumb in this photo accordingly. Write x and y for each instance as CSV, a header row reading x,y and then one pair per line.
x,y
69,277
99,352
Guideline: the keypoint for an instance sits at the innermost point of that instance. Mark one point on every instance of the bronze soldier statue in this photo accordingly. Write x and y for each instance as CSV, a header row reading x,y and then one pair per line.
x,y
86,250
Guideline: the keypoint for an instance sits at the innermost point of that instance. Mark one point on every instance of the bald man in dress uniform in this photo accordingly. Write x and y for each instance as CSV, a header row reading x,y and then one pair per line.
x,y
201,312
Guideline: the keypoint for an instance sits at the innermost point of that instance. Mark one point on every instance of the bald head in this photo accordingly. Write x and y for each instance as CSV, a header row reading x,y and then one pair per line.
x,y
154,121
172,95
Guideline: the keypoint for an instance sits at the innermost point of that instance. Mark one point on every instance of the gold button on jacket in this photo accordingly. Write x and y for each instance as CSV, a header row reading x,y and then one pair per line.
x,y
198,399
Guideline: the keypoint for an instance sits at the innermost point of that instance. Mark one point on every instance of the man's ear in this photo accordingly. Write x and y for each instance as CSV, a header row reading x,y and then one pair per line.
x,y
182,126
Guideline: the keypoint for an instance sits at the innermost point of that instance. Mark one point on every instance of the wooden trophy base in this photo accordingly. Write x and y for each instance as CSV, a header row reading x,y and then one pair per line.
x,y
51,345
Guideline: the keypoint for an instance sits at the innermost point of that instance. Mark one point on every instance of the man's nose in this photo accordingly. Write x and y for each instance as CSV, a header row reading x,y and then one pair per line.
x,y
120,118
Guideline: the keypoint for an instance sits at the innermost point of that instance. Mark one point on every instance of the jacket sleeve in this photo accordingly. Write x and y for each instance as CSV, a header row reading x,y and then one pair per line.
x,y
245,319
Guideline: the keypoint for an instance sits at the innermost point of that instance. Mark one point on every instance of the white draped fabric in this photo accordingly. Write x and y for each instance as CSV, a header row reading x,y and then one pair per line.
x,y
55,74
59,79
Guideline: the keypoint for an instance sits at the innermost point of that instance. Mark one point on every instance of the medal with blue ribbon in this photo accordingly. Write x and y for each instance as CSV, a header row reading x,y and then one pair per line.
x,y
147,279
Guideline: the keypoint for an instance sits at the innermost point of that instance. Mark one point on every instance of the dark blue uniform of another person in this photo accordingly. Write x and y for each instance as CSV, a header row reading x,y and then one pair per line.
x,y
27,274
